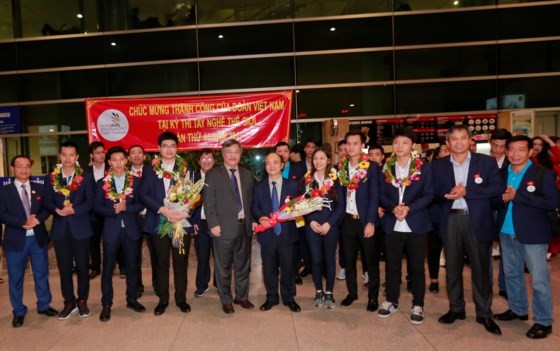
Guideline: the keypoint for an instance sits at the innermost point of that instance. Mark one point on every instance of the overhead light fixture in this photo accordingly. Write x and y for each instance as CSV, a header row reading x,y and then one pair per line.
x,y
351,105
113,43
51,130
333,29
456,2
220,36
79,15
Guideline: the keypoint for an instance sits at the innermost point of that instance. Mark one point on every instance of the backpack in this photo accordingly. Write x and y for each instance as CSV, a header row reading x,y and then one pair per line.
x,y
553,215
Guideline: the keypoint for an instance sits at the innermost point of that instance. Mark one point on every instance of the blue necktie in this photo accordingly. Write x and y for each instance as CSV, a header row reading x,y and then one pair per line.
x,y
275,205
236,189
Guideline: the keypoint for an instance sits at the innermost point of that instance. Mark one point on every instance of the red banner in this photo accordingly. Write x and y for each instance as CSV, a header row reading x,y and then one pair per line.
x,y
255,120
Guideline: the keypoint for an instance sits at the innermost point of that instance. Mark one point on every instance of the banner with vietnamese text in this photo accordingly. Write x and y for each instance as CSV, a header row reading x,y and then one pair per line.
x,y
256,120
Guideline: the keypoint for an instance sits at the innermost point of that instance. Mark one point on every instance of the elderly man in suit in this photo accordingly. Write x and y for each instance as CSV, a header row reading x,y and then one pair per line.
x,y
117,202
69,198
525,233
227,202
466,185
360,181
277,243
406,192
22,210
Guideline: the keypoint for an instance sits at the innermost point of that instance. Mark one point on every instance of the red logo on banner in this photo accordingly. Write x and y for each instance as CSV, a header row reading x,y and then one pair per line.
x,y
256,120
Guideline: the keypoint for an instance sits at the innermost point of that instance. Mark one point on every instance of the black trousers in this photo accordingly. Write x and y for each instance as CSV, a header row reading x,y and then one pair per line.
x,y
352,233
148,238
111,250
164,251
70,250
459,239
95,245
395,244
278,254
434,251
203,246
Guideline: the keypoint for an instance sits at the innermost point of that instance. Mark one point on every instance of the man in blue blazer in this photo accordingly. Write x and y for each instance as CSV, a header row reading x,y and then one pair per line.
x,y
69,196
116,200
525,233
406,193
22,211
466,186
277,243
203,240
360,181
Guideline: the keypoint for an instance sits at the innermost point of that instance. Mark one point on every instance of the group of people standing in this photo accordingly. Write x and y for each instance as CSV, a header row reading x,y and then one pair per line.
x,y
475,199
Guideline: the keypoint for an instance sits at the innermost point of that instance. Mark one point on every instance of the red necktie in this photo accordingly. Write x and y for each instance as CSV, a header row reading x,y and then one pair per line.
x,y
139,174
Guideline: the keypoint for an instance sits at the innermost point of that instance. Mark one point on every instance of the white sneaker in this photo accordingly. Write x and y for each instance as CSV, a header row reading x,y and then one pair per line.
x,y
387,309
341,274
366,277
417,315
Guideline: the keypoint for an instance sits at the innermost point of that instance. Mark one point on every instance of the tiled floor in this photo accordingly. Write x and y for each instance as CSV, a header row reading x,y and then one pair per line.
x,y
208,328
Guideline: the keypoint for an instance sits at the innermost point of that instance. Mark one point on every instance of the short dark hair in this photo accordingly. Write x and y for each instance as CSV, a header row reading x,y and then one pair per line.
x,y
521,138
137,145
13,162
458,127
377,147
206,151
405,132
312,140
500,134
355,132
282,143
94,145
340,143
116,150
68,144
231,142
167,135
296,149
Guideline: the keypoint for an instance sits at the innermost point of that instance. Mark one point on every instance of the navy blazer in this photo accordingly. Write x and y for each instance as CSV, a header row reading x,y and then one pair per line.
x,y
196,212
297,170
529,213
13,215
152,194
82,200
367,196
112,221
479,197
334,215
261,206
417,196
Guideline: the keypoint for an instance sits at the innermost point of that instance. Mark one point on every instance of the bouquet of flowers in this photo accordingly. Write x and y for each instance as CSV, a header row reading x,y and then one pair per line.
x,y
183,196
294,208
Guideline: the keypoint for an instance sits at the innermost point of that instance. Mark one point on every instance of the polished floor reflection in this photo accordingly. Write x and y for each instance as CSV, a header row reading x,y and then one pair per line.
x,y
208,328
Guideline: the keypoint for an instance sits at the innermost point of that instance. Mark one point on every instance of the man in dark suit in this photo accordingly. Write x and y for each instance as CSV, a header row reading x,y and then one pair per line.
x,y
156,183
525,233
203,240
360,181
406,192
466,184
69,198
227,202
116,200
277,243
22,210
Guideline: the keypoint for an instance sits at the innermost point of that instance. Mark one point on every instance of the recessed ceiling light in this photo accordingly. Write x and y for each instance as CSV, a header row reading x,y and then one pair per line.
x,y
333,29
51,130
113,43
455,2
351,105
220,36
79,15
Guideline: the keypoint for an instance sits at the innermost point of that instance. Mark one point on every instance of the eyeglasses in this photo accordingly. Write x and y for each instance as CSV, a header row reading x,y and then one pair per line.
x,y
168,146
207,159
23,166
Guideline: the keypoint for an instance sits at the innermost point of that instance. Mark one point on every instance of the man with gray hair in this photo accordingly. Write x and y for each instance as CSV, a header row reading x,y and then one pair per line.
x,y
227,203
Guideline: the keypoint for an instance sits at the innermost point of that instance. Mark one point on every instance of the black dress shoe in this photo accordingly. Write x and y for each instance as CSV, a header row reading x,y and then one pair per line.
x,y
537,331
105,314
451,317
509,315
267,306
434,287
184,307
305,272
228,308
372,306
299,281
293,306
135,306
94,273
348,300
245,304
489,325
160,308
50,312
17,321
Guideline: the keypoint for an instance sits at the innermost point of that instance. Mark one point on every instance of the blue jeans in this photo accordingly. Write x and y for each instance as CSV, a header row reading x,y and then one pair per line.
x,y
514,254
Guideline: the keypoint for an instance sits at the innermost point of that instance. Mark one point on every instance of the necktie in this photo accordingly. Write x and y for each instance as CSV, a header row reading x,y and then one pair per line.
x,y
236,189
275,205
139,174
25,200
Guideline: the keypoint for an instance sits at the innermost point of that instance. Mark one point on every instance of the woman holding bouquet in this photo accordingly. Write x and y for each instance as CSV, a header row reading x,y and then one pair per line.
x,y
321,226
